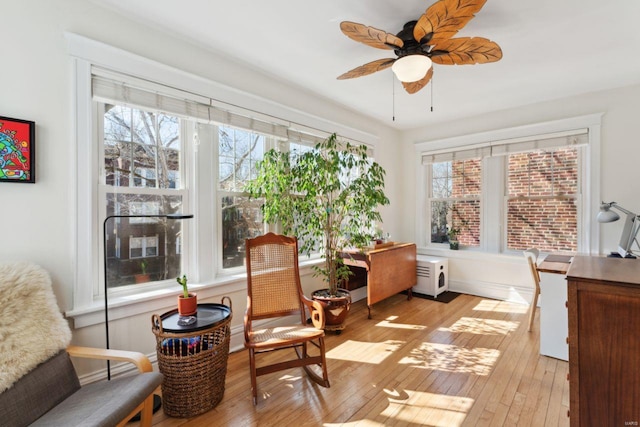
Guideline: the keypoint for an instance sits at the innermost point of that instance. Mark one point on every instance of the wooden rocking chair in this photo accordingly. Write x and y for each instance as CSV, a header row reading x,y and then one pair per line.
x,y
274,291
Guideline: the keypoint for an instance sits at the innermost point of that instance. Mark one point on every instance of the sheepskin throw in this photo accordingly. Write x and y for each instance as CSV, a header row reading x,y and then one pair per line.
x,y
32,329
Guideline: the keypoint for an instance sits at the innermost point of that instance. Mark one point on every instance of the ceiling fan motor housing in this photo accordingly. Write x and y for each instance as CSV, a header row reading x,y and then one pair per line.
x,y
411,45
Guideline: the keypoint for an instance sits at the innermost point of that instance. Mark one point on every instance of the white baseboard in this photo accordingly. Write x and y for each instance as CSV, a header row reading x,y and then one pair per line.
x,y
499,291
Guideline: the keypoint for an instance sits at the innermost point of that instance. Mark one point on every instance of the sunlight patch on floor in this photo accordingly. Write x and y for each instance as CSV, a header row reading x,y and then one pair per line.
x,y
427,408
359,423
482,326
290,379
362,351
388,323
501,306
451,358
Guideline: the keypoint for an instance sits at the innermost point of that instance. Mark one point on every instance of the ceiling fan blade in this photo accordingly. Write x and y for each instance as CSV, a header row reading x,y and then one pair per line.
x,y
443,19
370,36
413,87
466,50
368,68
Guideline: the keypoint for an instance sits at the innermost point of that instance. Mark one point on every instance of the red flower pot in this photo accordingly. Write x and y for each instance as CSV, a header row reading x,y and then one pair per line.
x,y
188,306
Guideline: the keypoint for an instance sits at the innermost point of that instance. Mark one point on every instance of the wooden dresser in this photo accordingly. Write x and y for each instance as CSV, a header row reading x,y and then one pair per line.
x,y
604,341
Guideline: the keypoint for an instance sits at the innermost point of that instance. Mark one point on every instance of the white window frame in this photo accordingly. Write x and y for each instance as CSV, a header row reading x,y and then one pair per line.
x,y
88,258
146,208
270,142
577,198
492,209
430,198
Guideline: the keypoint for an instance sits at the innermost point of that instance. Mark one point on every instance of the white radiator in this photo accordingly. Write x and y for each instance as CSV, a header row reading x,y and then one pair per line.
x,y
433,275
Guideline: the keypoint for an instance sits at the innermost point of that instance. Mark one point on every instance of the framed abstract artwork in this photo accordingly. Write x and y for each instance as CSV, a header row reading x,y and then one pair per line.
x,y
17,150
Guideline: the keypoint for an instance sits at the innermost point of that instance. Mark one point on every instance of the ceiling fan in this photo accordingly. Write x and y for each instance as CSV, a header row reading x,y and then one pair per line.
x,y
425,41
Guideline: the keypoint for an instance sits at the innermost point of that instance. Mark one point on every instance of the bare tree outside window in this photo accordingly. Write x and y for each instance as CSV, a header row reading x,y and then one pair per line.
x,y
141,175
238,153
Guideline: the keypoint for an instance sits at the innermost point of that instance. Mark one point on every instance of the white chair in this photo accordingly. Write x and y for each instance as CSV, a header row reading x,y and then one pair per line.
x,y
532,259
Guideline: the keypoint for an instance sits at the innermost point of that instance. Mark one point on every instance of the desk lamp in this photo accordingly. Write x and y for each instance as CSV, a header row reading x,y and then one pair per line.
x,y
629,232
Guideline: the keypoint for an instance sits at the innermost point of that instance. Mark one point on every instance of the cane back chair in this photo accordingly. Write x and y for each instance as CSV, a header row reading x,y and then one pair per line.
x,y
274,291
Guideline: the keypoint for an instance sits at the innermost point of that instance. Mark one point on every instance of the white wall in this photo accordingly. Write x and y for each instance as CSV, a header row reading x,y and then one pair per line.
x,y
36,78
620,154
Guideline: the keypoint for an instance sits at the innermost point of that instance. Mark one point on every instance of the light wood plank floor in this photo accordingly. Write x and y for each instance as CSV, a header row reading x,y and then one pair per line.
x,y
470,362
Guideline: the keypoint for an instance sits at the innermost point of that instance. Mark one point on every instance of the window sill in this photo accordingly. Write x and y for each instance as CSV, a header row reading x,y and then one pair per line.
x,y
164,299
475,254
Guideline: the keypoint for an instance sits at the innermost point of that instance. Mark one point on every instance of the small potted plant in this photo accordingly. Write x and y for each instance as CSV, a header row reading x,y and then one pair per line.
x,y
143,277
187,301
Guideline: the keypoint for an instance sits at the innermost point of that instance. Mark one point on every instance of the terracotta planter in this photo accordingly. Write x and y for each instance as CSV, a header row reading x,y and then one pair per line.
x,y
188,306
142,278
336,308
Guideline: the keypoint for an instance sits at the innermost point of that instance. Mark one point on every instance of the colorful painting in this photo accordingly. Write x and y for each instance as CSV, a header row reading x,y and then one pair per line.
x,y
17,150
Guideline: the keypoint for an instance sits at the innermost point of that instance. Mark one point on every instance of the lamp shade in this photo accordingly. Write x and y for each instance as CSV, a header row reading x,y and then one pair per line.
x,y
607,215
411,68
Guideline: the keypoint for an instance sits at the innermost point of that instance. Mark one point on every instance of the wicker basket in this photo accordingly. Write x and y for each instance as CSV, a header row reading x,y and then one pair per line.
x,y
194,365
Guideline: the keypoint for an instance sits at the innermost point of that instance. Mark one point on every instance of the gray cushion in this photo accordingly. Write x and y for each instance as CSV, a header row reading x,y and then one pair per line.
x,y
37,392
103,403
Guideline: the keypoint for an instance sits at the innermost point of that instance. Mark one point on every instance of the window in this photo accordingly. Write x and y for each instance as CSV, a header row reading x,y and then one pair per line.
x,y
238,152
455,201
145,148
510,194
143,247
141,160
144,172
542,193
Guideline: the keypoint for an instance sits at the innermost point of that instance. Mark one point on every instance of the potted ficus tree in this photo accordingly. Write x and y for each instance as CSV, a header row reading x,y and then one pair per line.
x,y
187,301
327,197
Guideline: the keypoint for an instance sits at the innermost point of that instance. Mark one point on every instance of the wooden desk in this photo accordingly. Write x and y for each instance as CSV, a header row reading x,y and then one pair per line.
x,y
390,270
604,341
556,263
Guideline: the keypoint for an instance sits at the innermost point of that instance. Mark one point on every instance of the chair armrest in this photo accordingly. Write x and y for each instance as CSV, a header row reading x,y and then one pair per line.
x,y
316,311
140,360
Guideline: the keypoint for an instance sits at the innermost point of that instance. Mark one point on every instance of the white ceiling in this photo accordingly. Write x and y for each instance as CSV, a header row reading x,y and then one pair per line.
x,y
551,49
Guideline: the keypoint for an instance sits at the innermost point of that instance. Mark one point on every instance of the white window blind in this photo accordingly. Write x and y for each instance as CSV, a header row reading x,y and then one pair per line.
x,y
194,107
510,146
470,152
540,143
109,86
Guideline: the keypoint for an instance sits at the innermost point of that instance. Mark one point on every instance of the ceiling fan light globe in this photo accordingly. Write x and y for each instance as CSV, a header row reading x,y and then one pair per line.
x,y
411,68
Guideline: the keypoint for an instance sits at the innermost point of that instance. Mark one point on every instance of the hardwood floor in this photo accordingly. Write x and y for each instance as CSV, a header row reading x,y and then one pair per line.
x,y
470,362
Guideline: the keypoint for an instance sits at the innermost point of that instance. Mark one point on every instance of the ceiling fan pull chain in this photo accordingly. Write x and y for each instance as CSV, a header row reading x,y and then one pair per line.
x,y
431,94
393,96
